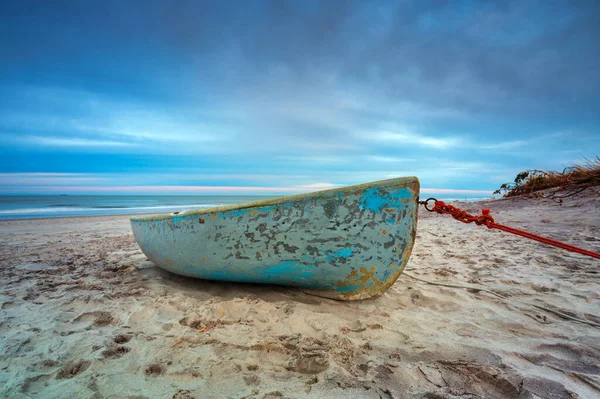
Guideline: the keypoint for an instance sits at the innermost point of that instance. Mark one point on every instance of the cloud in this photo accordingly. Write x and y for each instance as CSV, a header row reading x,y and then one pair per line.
x,y
319,186
20,175
144,129
198,182
219,190
507,145
388,159
70,142
143,181
36,179
313,159
405,138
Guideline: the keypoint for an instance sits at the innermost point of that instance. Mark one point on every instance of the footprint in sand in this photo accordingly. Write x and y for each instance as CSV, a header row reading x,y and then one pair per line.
x,y
49,363
252,380
99,319
183,394
73,368
115,352
122,338
154,369
308,355
421,300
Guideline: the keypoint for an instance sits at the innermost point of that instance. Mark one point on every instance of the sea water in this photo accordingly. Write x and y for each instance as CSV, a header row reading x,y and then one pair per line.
x,y
49,206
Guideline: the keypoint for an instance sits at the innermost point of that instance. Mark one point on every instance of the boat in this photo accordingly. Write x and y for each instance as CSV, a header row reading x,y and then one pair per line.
x,y
346,243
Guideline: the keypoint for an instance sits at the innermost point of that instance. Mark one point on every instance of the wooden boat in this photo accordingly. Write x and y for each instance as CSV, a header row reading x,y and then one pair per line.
x,y
348,243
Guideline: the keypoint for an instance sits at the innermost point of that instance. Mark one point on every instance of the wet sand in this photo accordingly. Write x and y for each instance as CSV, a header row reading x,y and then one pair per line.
x,y
84,314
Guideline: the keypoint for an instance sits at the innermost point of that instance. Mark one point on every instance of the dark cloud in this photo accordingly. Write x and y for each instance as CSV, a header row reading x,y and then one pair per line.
x,y
535,56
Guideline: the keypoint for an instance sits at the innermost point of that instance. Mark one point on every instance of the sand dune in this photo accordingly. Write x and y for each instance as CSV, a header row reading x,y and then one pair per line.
x,y
83,314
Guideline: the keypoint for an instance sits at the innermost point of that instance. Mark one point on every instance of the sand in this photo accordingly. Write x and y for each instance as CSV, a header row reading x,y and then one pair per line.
x,y
83,314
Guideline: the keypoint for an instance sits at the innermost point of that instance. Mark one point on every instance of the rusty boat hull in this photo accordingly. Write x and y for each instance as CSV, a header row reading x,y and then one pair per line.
x,y
349,243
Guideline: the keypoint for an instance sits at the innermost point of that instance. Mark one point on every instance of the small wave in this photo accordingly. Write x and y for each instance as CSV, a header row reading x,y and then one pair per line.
x,y
92,210
190,207
38,210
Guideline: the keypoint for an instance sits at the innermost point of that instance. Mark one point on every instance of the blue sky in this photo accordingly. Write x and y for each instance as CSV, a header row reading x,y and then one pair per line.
x,y
273,97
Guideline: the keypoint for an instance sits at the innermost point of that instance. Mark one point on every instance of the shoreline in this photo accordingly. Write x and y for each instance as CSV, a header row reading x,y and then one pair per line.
x,y
73,217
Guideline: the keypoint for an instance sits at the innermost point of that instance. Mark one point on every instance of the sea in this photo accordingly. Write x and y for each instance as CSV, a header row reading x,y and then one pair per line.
x,y
51,206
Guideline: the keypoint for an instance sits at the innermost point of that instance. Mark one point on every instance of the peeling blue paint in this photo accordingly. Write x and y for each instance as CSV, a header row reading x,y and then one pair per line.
x,y
176,219
344,253
401,194
287,270
372,200
244,212
236,213
390,219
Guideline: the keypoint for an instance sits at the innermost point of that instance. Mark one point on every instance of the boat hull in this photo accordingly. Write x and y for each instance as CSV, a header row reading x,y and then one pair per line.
x,y
349,243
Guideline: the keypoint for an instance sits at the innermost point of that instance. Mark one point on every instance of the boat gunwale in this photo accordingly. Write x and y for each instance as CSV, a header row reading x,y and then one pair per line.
x,y
401,182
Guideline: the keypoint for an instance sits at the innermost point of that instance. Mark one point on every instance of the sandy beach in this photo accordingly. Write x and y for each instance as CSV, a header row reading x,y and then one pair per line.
x,y
84,314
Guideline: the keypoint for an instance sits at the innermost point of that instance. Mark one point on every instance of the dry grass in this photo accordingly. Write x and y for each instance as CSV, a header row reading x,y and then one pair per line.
x,y
571,181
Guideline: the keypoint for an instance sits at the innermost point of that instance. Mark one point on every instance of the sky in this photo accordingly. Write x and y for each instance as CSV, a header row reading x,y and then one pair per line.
x,y
269,97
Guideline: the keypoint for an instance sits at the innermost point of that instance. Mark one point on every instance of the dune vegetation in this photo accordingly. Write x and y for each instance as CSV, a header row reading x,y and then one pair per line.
x,y
570,181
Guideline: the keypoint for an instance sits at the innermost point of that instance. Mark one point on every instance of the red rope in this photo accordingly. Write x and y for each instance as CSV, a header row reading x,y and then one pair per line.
x,y
487,220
